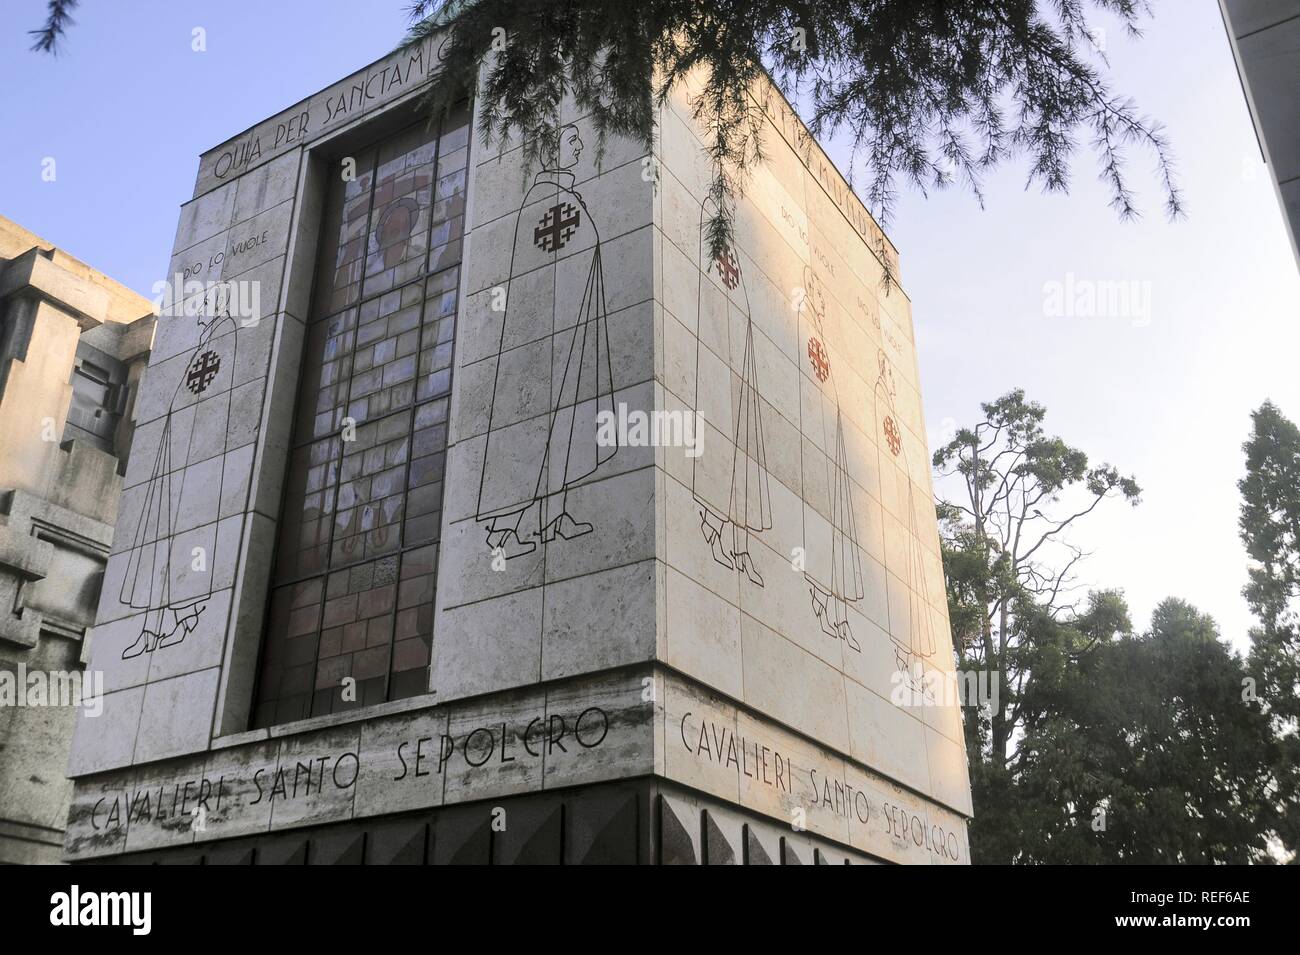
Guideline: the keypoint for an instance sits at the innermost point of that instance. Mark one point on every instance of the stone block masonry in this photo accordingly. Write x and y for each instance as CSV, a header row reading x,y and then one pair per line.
x,y
443,569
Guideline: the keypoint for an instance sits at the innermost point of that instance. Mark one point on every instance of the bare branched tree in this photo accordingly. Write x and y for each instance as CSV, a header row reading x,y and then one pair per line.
x,y
1009,564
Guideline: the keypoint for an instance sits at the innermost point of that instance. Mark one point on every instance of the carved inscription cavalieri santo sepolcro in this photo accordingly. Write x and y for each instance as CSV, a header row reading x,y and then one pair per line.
x,y
798,784
178,803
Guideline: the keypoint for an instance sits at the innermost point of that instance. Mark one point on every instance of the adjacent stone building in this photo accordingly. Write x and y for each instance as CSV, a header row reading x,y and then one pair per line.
x,y
479,514
72,346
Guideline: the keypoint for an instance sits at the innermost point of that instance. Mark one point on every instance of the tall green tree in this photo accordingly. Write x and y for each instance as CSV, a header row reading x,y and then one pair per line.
x,y
1015,492
1270,529
1108,745
1142,750
1022,808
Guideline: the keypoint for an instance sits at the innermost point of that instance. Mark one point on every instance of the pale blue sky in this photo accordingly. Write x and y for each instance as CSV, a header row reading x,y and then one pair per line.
x,y
128,107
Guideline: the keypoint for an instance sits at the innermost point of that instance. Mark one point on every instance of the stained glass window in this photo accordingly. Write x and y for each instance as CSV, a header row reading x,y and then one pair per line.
x,y
356,560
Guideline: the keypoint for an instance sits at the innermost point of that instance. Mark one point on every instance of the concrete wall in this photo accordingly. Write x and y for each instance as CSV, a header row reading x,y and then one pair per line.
x,y
568,606
838,601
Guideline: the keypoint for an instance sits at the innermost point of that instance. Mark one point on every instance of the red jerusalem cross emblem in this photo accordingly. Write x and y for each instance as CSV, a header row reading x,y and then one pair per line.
x,y
821,361
728,268
893,437
556,227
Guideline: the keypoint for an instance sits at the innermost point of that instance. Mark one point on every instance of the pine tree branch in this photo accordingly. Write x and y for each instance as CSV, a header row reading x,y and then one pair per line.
x,y
57,21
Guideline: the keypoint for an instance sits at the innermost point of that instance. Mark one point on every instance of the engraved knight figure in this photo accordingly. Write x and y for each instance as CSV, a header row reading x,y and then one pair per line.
x,y
917,642
731,488
153,567
833,568
554,333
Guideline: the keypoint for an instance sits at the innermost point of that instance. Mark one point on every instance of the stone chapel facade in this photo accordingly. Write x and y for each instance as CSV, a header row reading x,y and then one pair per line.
x,y
478,514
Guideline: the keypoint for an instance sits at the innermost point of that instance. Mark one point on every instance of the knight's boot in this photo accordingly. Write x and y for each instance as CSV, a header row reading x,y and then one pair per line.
x,y
508,542
713,537
745,564
820,600
183,627
566,527
143,644
846,634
